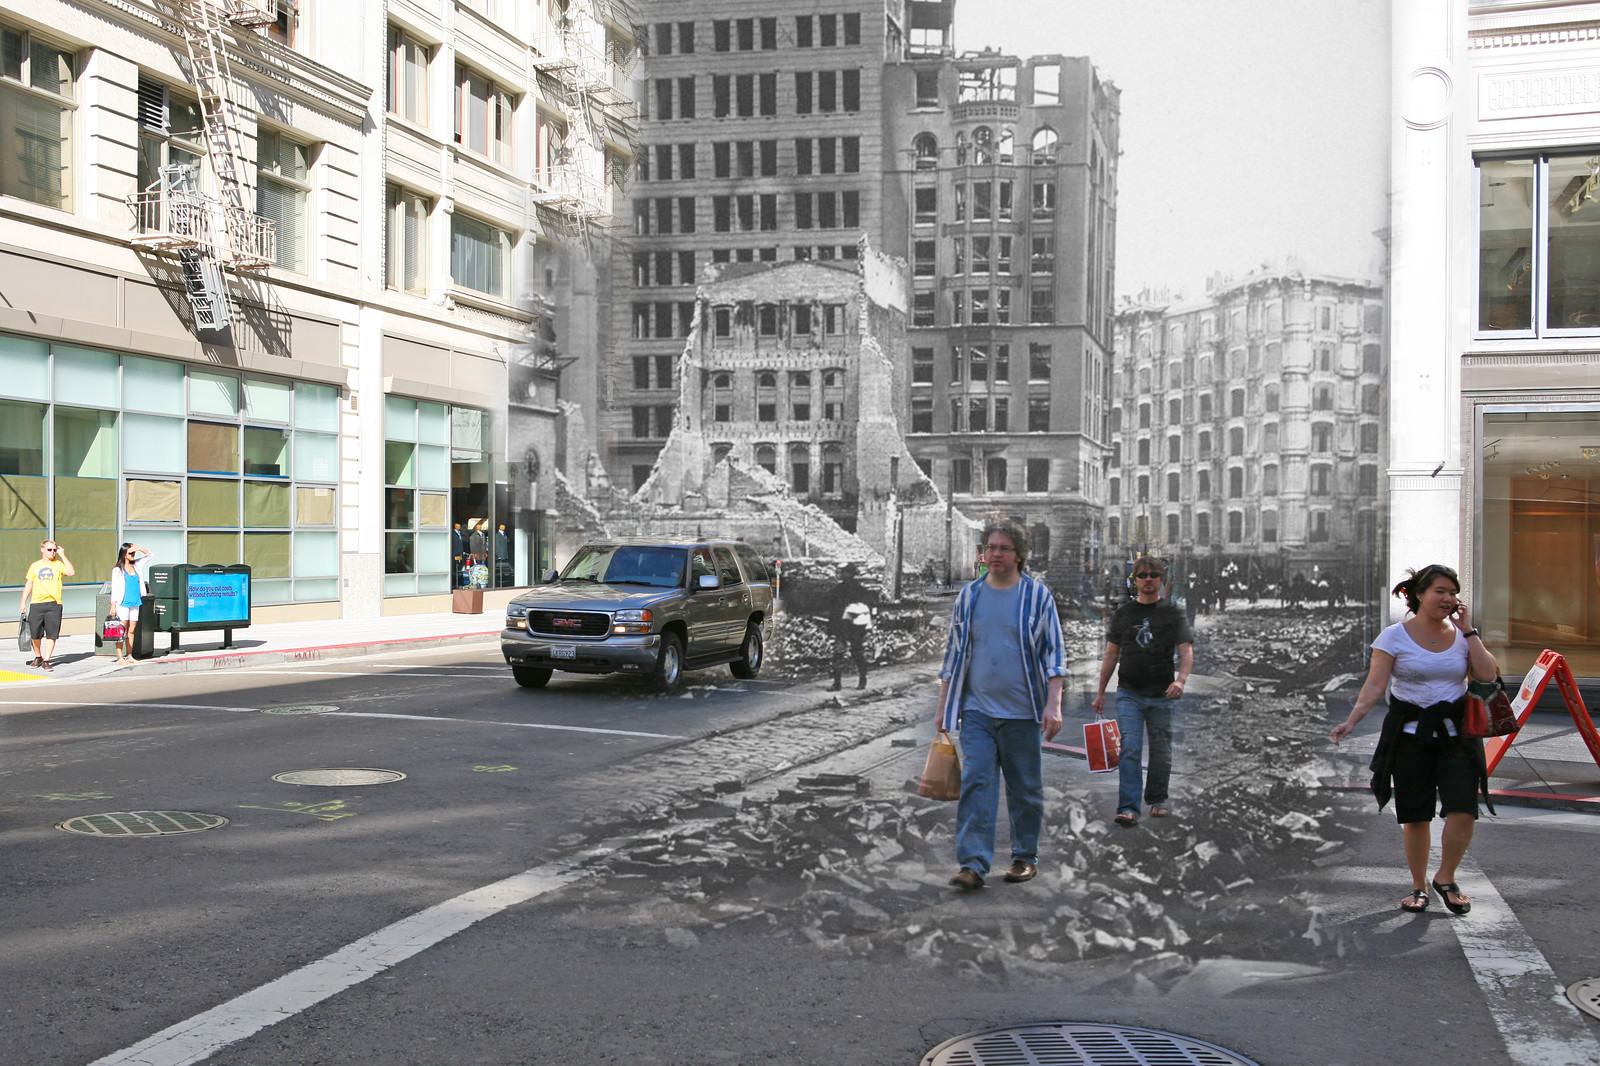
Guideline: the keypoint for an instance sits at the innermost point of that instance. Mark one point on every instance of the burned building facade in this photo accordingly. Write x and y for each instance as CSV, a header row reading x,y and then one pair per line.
x,y
1247,430
1001,192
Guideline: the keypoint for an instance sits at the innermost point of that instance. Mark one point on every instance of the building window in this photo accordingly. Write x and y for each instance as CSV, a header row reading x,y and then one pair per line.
x,y
407,95
1038,414
406,245
800,468
1269,481
1044,199
1038,474
922,414
1539,244
926,205
480,256
1173,481
36,116
171,133
1321,480
994,474
282,186
1041,306
832,469
922,366
483,116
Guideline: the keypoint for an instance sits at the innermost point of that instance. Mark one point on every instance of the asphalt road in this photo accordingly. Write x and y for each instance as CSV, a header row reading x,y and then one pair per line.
x,y
592,874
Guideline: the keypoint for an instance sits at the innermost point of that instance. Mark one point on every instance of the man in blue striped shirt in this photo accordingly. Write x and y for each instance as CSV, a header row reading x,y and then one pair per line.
x,y
1001,684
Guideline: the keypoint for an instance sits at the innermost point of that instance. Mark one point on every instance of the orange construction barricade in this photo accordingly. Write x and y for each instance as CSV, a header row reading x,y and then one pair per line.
x,y
1551,666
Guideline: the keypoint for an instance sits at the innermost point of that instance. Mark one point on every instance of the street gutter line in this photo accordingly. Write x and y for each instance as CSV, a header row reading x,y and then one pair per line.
x,y
1538,1024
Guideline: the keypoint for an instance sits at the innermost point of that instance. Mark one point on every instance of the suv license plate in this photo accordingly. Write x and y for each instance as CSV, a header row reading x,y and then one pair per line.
x,y
563,651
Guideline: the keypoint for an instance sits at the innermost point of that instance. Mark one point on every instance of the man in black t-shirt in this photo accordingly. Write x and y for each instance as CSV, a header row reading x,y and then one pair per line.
x,y
1141,641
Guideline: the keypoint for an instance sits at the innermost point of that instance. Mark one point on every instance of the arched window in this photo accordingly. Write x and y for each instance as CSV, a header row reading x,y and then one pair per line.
x,y
832,469
1044,146
983,145
800,468
722,398
833,394
1008,140
766,396
926,149
767,458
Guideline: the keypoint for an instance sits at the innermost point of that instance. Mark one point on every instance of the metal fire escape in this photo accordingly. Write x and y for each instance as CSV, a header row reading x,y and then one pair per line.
x,y
580,57
209,234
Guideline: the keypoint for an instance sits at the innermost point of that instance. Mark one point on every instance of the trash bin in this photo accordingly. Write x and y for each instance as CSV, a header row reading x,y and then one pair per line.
x,y
144,634
102,607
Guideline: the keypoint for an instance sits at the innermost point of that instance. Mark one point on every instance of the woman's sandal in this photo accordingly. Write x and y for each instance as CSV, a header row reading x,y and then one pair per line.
x,y
1126,819
1446,891
1416,903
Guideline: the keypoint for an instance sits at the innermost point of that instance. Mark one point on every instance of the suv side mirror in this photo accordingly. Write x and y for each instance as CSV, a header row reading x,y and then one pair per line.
x,y
551,577
706,581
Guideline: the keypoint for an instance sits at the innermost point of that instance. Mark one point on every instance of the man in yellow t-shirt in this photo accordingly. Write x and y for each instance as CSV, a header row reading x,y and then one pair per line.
x,y
41,601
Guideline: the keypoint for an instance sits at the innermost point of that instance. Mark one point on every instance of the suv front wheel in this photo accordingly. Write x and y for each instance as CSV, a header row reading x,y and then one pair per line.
x,y
531,676
669,663
750,652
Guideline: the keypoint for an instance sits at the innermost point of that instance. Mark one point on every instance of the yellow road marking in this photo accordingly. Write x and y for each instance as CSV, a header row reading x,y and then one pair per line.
x,y
7,675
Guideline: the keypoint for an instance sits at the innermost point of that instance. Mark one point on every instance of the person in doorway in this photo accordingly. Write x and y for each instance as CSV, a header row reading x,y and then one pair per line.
x,y
1424,757
1000,684
502,556
41,601
850,610
458,549
1144,636
127,595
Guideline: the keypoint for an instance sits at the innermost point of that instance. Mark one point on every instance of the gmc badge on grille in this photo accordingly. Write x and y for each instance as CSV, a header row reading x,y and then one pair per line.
x,y
567,623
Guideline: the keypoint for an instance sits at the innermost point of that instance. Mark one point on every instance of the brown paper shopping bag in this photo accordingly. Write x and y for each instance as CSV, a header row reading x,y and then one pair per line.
x,y
941,774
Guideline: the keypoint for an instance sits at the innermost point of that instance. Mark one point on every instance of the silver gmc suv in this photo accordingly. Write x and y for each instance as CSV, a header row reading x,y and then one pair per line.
x,y
648,608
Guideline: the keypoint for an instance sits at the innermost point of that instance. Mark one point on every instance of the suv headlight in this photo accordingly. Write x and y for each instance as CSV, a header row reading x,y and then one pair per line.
x,y
516,617
624,622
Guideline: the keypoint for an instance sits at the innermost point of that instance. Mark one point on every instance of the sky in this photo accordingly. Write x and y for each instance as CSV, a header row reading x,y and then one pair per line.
x,y
1252,130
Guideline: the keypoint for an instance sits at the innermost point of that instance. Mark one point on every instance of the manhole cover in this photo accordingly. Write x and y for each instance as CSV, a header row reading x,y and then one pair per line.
x,y
1585,995
142,823
339,775
301,708
1079,1044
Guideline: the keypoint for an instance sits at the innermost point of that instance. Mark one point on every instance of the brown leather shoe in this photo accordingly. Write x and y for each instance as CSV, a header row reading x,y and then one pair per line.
x,y
967,880
1021,871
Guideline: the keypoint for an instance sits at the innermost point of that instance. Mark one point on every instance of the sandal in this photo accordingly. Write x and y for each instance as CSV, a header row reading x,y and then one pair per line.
x,y
1127,819
1159,810
1452,889
1417,902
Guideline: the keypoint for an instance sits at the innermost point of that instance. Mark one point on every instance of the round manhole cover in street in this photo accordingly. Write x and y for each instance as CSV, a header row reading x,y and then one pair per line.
x,y
1079,1044
339,775
142,823
301,708
1585,995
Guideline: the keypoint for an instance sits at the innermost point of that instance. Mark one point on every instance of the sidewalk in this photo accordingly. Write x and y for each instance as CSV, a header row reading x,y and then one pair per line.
x,y
260,645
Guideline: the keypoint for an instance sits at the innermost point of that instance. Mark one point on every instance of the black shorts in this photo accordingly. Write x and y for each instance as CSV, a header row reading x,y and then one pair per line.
x,y
44,620
1434,774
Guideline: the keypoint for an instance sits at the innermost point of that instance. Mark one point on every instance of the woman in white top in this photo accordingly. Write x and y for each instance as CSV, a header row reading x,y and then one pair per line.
x,y
1423,663
127,595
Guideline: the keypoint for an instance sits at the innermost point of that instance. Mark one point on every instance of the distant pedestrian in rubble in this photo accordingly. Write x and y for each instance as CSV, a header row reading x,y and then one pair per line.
x,y
1424,755
1000,683
850,611
1144,637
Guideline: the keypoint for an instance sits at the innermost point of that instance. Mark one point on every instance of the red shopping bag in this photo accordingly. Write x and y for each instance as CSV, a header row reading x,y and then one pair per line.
x,y
1102,740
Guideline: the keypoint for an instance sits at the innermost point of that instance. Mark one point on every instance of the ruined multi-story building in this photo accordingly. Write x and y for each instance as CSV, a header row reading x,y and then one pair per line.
x,y
762,142
1247,429
1001,193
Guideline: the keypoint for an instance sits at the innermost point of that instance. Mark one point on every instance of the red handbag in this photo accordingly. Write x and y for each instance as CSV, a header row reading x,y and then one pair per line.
x,y
1491,715
113,630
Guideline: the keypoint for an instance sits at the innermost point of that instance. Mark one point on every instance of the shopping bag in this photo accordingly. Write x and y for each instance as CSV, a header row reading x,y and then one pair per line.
x,y
941,774
113,630
1489,712
24,642
1102,740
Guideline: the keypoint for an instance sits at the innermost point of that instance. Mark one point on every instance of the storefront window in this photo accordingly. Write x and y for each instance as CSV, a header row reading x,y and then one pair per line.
x,y
1539,585
1539,244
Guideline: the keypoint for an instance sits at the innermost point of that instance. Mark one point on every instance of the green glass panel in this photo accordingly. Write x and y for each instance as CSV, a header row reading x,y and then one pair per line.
x,y
86,443
152,385
158,445
267,592
316,407
21,438
19,548
316,456
433,423
91,552
84,375
86,503
23,503
433,467
213,503
164,545
24,368
316,554
399,584
399,461
433,583
266,452
213,394
322,589
399,418
266,504
267,554
433,553
268,400
208,548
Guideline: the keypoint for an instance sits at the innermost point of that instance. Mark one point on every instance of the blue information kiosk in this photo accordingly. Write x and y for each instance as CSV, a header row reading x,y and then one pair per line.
x,y
190,597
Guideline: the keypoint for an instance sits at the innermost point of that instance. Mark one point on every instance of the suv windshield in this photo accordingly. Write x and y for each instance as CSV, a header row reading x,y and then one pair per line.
x,y
626,565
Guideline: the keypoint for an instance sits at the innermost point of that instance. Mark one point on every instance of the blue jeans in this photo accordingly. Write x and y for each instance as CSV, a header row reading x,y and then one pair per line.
x,y
992,749
1137,715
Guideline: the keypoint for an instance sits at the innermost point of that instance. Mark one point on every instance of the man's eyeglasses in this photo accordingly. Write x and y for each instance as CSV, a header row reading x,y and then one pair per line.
x,y
1147,574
